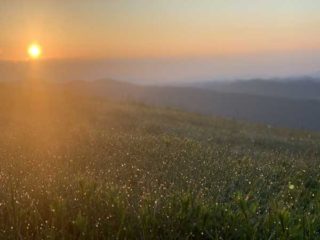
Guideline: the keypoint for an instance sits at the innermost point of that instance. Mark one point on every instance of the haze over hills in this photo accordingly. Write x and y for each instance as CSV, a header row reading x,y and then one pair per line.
x,y
298,87
274,110
285,102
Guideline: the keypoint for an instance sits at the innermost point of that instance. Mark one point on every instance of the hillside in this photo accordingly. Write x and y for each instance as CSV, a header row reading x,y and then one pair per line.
x,y
75,166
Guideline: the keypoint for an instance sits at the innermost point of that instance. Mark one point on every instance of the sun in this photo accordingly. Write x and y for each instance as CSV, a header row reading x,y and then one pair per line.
x,y
34,51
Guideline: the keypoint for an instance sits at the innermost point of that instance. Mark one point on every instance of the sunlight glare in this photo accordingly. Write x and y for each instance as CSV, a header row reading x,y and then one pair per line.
x,y
34,51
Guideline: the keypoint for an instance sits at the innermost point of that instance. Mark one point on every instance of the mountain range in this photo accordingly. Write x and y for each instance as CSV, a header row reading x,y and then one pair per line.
x,y
288,104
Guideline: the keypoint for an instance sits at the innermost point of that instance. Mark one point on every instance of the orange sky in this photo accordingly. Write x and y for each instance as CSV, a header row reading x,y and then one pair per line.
x,y
159,28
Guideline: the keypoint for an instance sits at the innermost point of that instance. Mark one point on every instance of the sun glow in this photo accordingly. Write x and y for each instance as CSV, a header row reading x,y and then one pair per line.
x,y
34,51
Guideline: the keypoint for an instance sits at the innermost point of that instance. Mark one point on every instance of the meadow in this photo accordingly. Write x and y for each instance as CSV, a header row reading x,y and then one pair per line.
x,y
79,167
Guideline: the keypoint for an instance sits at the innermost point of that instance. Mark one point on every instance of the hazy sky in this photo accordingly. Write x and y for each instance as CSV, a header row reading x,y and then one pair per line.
x,y
176,39
157,28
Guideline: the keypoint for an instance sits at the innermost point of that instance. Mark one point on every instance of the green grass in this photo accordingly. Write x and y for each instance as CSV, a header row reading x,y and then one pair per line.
x,y
78,168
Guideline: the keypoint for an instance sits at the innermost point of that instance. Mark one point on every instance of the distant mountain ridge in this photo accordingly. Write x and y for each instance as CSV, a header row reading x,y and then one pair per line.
x,y
300,88
295,105
274,110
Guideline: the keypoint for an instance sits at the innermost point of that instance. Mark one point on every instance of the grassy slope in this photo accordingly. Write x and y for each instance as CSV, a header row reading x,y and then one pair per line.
x,y
79,168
